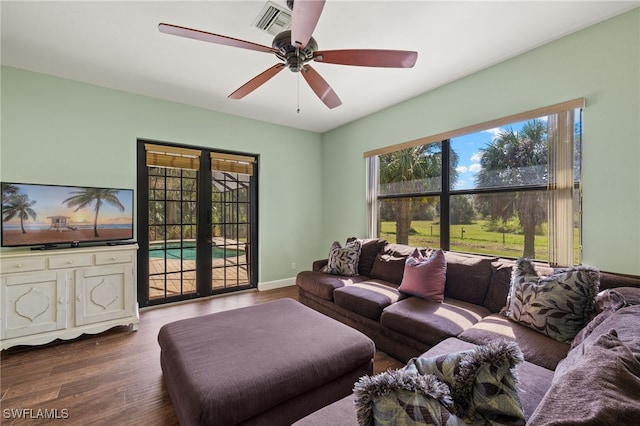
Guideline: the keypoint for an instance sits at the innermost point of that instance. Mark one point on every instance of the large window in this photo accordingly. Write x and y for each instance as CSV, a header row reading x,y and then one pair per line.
x,y
509,188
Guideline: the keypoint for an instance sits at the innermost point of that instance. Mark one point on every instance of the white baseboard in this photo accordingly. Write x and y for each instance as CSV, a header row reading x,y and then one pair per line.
x,y
270,285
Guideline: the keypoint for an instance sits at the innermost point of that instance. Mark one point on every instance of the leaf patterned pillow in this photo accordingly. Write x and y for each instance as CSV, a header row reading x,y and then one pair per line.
x,y
343,260
401,398
482,382
559,305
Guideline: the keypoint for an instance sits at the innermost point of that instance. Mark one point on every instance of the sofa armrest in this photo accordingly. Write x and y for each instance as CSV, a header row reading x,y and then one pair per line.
x,y
319,264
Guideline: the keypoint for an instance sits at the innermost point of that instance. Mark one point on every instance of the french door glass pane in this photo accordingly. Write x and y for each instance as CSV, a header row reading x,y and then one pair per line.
x,y
172,232
230,229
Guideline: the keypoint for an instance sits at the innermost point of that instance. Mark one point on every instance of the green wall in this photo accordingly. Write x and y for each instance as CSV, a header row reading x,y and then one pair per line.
x,y
64,132
600,63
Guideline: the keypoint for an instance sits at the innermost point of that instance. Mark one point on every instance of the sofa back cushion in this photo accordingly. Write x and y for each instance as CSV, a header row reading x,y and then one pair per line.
x,y
468,277
370,247
389,264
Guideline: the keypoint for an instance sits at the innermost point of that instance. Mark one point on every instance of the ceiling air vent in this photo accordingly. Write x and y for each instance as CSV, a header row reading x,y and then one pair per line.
x,y
273,19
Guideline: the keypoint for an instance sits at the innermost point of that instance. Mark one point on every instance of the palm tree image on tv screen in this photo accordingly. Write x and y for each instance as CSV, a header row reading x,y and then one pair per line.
x,y
48,214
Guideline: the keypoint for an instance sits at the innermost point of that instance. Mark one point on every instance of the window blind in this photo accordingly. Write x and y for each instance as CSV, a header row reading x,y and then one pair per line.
x,y
561,187
172,157
232,163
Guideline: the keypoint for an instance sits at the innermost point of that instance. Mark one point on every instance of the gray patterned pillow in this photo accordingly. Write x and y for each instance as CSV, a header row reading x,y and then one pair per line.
x,y
558,305
482,382
343,260
401,398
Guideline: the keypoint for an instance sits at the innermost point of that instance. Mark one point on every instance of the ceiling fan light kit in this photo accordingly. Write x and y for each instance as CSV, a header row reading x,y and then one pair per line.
x,y
296,48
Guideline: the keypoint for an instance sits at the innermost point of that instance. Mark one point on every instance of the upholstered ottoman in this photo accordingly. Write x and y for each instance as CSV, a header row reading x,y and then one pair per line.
x,y
267,364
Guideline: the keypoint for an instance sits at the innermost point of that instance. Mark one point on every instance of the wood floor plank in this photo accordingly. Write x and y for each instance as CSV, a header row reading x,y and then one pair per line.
x,y
112,377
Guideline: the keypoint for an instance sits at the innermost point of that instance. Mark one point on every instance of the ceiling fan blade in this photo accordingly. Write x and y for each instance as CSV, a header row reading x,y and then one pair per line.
x,y
304,20
212,38
368,57
320,87
256,82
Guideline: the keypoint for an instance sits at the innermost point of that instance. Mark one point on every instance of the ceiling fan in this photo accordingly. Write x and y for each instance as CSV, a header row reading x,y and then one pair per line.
x,y
297,47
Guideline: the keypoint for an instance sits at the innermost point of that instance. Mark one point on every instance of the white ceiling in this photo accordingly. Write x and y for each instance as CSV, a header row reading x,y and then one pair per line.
x,y
117,44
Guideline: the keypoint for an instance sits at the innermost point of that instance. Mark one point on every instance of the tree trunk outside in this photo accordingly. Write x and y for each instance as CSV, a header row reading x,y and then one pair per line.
x,y
403,221
528,221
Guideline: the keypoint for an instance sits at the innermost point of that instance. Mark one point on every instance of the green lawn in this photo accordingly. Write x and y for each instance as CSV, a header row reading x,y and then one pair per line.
x,y
475,239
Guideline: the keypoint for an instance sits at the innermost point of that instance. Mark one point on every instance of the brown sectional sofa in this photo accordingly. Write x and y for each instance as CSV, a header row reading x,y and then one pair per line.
x,y
475,292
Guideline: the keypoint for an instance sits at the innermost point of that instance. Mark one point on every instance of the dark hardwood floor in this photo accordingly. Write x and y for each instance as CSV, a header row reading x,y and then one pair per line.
x,y
112,378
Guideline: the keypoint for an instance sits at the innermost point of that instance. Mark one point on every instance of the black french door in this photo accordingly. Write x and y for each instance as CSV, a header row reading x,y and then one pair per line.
x,y
197,222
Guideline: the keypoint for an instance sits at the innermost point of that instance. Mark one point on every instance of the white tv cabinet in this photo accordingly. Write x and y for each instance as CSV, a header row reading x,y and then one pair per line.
x,y
61,294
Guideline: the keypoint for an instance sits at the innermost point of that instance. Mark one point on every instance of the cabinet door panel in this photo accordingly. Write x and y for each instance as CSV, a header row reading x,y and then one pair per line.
x,y
103,293
33,303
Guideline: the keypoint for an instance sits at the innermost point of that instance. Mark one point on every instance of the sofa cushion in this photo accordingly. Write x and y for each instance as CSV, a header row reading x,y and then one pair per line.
x,y
626,322
482,381
468,277
370,247
558,305
425,277
341,412
366,298
322,285
388,267
389,264
602,387
496,326
431,322
496,297
343,260
631,295
534,380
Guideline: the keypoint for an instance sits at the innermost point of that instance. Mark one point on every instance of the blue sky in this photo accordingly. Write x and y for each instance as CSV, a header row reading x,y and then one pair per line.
x,y
468,148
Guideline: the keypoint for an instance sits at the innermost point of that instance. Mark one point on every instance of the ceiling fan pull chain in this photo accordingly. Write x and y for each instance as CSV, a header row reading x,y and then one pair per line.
x,y
299,71
298,110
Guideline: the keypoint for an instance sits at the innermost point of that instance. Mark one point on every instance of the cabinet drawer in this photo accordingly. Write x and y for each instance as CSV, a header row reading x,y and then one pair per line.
x,y
110,258
10,266
71,261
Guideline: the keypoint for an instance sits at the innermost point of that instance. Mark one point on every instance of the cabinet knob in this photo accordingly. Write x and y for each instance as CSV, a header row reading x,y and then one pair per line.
x,y
19,265
114,258
79,297
70,262
60,300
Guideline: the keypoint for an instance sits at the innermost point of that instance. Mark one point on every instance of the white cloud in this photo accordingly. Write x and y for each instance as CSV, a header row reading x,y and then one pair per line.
x,y
494,132
475,168
477,156
461,169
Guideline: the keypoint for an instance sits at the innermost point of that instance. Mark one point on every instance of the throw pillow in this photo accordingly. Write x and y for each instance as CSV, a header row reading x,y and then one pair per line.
x,y
558,305
609,300
401,397
600,388
482,381
343,260
425,277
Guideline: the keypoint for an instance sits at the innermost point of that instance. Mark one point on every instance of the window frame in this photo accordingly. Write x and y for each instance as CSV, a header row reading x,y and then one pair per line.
x,y
445,193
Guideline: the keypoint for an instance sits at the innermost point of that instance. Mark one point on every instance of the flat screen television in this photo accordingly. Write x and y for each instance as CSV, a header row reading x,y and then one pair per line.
x,y
47,215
